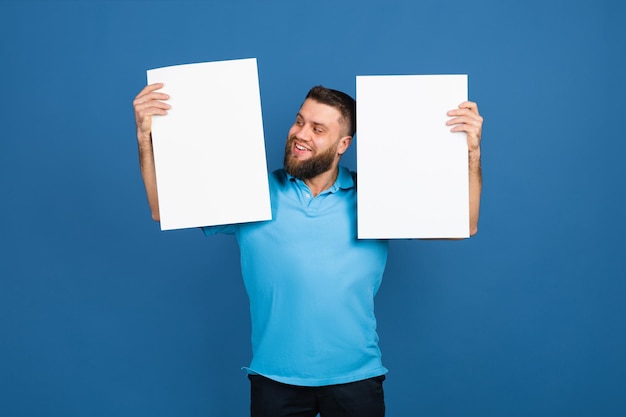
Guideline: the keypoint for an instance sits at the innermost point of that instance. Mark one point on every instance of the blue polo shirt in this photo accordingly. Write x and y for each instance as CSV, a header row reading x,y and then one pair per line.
x,y
311,285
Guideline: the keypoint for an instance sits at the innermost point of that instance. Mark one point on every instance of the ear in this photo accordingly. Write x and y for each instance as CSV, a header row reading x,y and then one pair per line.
x,y
344,144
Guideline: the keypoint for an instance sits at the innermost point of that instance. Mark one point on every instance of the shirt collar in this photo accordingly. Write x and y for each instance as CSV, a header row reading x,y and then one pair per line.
x,y
345,179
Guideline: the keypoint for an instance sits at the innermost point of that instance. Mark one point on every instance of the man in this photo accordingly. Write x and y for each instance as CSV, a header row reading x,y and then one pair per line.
x,y
310,281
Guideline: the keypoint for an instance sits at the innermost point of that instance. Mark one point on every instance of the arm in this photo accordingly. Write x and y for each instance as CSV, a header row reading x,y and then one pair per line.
x,y
148,103
467,119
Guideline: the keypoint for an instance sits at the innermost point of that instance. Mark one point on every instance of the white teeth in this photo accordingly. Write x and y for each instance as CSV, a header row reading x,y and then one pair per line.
x,y
301,148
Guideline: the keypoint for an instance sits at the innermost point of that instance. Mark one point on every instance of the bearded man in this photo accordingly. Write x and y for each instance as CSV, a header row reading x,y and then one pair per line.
x,y
311,283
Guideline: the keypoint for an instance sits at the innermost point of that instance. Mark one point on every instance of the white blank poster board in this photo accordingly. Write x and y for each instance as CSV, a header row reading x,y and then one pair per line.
x,y
412,171
209,151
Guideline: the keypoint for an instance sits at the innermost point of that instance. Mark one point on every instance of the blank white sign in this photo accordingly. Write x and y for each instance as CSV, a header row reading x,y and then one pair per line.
x,y
412,171
209,150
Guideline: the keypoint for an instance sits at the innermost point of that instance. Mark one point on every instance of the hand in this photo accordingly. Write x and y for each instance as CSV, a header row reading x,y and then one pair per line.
x,y
148,103
467,119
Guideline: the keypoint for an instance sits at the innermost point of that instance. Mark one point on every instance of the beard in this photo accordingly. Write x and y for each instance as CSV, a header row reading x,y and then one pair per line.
x,y
309,168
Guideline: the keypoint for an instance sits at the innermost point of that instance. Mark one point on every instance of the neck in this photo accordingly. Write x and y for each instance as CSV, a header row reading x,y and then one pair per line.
x,y
322,181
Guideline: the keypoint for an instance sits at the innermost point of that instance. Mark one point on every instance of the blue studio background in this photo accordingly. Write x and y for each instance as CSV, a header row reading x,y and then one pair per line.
x,y
101,314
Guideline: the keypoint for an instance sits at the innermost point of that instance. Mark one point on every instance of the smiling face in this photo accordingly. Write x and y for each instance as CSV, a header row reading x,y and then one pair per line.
x,y
316,140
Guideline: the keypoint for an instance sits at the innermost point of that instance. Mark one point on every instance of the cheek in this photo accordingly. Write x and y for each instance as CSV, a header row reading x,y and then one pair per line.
x,y
292,131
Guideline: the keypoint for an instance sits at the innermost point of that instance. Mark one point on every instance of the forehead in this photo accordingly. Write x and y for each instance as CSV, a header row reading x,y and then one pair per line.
x,y
320,113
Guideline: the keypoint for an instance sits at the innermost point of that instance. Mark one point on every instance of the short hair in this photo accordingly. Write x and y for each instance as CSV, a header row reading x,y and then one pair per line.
x,y
339,100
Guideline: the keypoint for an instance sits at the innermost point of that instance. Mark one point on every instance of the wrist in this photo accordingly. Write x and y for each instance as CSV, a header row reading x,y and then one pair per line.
x,y
144,138
474,155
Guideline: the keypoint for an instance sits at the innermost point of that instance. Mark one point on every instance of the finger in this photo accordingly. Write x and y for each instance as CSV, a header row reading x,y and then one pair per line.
x,y
470,130
150,88
152,111
150,97
464,112
472,106
466,108
469,119
147,106
150,93
151,104
469,125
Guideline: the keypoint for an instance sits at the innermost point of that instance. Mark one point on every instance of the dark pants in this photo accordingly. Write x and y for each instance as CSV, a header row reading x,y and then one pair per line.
x,y
356,399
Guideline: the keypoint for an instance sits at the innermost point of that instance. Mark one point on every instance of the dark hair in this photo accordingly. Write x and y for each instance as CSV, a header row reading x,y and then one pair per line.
x,y
339,100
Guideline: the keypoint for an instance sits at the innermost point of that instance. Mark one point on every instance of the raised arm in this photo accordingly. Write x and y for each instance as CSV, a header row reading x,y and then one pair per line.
x,y
467,119
149,102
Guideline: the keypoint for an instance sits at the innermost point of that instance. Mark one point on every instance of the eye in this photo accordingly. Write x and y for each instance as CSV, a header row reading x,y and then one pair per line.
x,y
318,128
